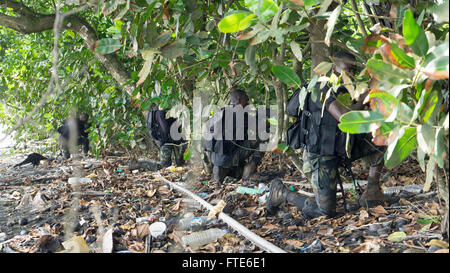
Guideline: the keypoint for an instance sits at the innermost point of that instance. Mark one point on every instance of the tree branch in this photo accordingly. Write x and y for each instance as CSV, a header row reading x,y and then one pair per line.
x,y
358,18
32,22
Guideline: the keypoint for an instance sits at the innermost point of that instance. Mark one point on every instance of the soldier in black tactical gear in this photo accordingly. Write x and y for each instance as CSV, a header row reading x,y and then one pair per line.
x,y
159,129
233,156
74,129
324,151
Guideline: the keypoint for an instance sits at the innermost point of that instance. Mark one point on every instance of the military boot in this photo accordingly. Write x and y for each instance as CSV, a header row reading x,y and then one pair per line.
x,y
219,173
249,170
165,155
279,194
372,196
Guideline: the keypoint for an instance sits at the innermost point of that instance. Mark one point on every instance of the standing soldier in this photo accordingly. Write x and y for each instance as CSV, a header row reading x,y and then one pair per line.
x,y
159,130
324,152
74,129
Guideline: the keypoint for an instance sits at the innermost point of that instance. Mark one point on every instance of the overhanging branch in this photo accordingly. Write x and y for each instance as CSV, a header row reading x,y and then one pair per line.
x,y
29,21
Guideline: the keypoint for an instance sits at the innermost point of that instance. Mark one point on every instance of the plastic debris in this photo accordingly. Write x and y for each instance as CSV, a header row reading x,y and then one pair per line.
x,y
217,209
263,187
107,242
200,238
262,200
203,194
252,191
79,180
157,228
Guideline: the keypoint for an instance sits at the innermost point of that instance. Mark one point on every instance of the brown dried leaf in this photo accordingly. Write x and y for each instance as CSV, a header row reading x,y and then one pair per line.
x,y
378,210
177,205
294,243
437,75
142,230
363,215
150,193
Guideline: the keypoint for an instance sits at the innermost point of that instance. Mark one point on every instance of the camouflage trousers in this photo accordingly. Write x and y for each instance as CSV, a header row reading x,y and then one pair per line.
x,y
234,164
323,173
169,149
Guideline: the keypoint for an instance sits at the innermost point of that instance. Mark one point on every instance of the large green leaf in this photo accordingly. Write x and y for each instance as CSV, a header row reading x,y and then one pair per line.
x,y
441,153
264,9
148,55
107,45
383,102
286,75
236,22
295,47
402,146
358,122
414,35
425,137
401,57
437,62
387,71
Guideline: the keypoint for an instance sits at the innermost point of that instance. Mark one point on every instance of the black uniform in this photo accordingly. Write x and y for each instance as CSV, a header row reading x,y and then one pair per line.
x,y
81,136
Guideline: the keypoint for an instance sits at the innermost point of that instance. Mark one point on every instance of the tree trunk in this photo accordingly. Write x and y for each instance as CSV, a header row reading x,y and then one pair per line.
x,y
319,50
277,59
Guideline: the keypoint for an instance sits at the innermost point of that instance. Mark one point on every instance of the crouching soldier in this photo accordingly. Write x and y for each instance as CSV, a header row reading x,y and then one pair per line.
x,y
230,151
159,130
73,133
324,152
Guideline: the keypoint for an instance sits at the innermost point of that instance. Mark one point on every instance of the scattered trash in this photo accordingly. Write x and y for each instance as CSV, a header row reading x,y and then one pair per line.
x,y
310,246
79,180
200,238
135,171
203,194
262,199
252,191
291,188
157,228
107,242
263,187
119,170
217,209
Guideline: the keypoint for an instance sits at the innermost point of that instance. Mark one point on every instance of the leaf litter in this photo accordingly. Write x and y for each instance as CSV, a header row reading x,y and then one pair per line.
x,y
113,212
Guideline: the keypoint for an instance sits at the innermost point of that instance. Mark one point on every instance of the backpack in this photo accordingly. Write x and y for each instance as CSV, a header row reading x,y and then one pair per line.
x,y
318,134
154,127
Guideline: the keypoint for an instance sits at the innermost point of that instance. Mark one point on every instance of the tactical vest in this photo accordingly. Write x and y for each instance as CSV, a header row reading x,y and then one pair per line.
x,y
154,127
316,133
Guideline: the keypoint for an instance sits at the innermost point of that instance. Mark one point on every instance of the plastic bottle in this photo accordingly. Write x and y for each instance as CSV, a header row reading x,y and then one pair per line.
x,y
189,222
202,237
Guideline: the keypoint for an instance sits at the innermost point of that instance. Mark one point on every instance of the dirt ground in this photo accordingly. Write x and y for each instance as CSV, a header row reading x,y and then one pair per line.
x,y
41,211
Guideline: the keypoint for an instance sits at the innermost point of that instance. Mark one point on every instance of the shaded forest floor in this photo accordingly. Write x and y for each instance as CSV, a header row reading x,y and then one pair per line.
x,y
41,210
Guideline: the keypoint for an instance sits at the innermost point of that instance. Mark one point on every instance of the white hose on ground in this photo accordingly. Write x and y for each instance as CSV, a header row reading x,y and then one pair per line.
x,y
260,242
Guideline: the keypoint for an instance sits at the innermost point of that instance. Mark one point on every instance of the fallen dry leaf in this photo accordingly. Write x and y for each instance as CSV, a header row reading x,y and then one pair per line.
x,y
294,243
177,205
150,193
363,215
378,210
438,243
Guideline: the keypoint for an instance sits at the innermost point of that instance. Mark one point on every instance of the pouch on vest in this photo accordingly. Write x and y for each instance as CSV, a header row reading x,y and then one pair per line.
x,y
293,104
